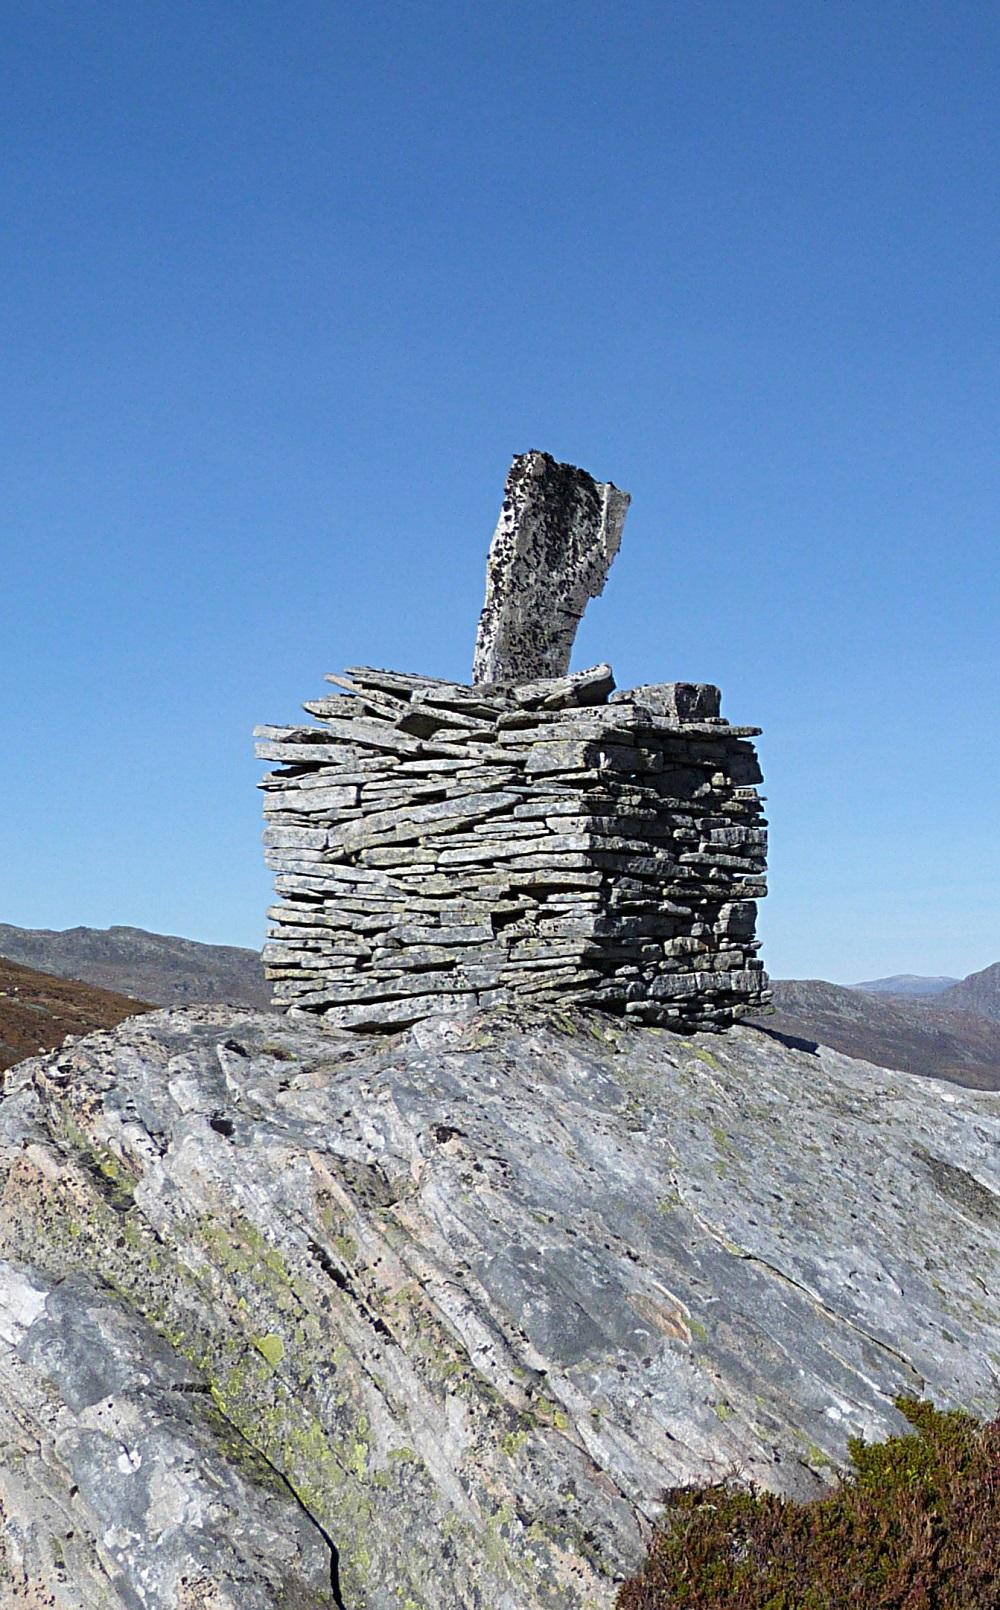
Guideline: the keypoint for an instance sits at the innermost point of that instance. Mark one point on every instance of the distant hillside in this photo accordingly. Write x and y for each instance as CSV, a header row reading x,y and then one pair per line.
x,y
917,1036
979,993
37,1011
906,984
948,1033
150,967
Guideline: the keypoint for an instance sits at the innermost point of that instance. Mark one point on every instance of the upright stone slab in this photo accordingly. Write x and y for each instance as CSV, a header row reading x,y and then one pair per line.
x,y
558,532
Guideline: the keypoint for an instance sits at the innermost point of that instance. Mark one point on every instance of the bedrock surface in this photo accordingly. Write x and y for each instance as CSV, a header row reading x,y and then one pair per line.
x,y
430,1321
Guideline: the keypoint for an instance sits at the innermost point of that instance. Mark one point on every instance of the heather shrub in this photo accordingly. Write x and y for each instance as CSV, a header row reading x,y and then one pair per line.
x,y
915,1526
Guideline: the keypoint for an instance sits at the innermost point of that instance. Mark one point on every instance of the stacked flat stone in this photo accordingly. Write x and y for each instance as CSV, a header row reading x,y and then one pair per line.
x,y
439,847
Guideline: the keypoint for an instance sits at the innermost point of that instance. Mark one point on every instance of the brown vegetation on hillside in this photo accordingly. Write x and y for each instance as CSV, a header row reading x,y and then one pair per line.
x,y
916,1527
145,967
916,1035
37,1011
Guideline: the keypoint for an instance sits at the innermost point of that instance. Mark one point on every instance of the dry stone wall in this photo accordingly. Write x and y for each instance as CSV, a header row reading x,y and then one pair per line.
x,y
439,847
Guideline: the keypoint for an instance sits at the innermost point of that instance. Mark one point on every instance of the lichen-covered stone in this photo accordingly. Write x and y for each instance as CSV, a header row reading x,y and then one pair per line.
x,y
120,1482
558,532
477,1293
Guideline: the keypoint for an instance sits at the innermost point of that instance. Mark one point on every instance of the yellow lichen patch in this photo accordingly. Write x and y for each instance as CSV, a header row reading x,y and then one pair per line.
x,y
270,1347
705,1056
513,1442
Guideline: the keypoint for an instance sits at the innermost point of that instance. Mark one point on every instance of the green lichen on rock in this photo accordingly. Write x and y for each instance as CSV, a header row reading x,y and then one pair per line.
x,y
271,1348
449,1276
260,1386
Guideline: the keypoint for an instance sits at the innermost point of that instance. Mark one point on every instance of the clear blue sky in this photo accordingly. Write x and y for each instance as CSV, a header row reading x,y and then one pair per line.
x,y
285,287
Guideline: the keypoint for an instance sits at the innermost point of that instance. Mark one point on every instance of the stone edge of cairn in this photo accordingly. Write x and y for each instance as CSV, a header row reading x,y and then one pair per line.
x,y
440,847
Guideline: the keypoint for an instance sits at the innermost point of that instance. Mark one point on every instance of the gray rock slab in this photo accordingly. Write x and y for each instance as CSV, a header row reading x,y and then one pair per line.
x,y
290,753
312,801
558,532
401,683
568,726
678,701
590,687
508,1276
381,707
485,702
121,1485
416,821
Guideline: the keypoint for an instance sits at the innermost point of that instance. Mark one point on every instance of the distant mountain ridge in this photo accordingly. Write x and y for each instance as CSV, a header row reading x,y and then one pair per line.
x,y
916,1035
909,984
160,968
979,993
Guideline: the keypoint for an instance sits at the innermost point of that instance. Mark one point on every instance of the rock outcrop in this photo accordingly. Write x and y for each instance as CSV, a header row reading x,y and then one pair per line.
x,y
441,847
979,993
121,1485
431,1320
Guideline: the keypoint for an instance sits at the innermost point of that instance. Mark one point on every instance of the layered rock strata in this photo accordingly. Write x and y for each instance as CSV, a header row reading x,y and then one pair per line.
x,y
439,847
434,1319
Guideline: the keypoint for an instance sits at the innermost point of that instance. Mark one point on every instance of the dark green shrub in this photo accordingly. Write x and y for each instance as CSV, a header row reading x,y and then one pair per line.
x,y
916,1526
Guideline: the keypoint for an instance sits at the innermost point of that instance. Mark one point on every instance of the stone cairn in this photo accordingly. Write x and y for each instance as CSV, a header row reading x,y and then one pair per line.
x,y
533,836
